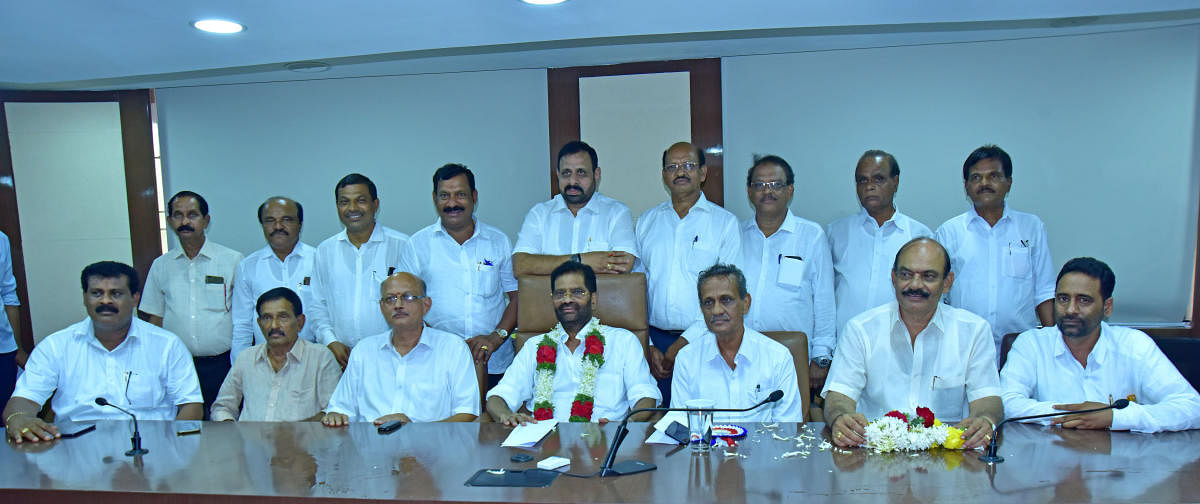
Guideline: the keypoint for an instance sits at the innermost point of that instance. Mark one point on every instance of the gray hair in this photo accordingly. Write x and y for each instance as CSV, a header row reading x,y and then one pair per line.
x,y
718,270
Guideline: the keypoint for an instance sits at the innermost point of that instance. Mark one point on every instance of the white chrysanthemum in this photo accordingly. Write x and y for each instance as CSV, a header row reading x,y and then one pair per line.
x,y
543,386
587,382
887,434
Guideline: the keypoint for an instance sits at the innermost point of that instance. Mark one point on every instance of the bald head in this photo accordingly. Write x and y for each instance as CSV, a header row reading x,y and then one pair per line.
x,y
403,279
922,245
403,302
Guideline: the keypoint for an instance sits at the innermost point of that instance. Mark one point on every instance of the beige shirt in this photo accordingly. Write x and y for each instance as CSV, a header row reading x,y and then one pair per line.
x,y
193,296
299,390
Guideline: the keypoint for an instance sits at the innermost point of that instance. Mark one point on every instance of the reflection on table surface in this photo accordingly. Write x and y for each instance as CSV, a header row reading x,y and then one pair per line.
x,y
774,463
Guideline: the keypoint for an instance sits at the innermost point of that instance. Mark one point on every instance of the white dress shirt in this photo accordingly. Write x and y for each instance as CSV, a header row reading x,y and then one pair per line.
x,y
194,296
620,382
1001,272
603,224
434,381
8,295
254,392
673,253
863,254
150,373
468,283
951,363
763,365
260,272
790,278
346,283
1041,372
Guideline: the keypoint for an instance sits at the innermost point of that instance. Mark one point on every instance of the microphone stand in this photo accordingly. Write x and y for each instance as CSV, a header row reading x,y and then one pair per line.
x,y
136,439
991,457
637,466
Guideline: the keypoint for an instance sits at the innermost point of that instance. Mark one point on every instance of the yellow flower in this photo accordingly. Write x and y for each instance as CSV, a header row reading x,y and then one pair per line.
x,y
936,422
954,439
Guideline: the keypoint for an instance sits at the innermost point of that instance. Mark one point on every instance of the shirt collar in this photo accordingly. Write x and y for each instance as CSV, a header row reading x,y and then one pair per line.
x,y
937,322
87,332
714,353
299,252
293,354
386,346
869,222
1100,351
975,217
180,254
376,234
558,204
438,228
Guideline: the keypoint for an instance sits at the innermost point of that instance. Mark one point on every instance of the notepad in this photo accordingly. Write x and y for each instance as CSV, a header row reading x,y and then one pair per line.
x,y
530,434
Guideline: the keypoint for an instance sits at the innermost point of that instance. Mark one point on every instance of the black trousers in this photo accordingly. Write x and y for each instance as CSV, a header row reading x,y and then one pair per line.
x,y
663,339
211,370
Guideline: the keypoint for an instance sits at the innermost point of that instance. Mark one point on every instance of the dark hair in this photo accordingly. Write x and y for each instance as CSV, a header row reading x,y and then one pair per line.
x,y
280,293
719,269
699,155
922,239
771,159
988,152
356,179
110,269
575,147
299,207
589,276
451,170
1094,268
188,194
886,155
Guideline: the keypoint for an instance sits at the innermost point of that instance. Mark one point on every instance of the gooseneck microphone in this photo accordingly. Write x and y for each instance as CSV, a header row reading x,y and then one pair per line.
x,y
637,466
136,440
991,458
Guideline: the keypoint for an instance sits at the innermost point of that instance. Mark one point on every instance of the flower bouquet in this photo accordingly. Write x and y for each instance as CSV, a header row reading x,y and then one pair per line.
x,y
897,431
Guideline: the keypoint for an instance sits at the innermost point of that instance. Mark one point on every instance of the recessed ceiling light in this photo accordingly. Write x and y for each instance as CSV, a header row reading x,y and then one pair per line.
x,y
217,26
543,2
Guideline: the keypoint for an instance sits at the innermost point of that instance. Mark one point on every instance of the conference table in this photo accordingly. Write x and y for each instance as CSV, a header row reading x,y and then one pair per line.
x,y
231,462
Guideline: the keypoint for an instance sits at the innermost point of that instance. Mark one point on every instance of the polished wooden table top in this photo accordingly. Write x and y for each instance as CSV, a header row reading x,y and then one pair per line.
x,y
231,462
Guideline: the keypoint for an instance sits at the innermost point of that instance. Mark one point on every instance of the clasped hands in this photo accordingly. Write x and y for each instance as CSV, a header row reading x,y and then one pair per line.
x,y
850,430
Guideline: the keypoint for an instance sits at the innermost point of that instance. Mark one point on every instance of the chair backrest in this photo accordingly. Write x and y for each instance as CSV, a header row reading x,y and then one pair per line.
x,y
621,303
797,343
1184,353
1006,344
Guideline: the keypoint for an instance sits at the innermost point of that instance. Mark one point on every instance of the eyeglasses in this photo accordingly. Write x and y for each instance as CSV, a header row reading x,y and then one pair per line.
x,y
394,300
772,186
688,166
562,294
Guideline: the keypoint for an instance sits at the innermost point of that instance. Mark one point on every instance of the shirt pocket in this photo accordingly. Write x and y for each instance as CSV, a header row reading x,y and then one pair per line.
x,y
144,389
215,296
948,398
1017,261
792,270
700,258
487,278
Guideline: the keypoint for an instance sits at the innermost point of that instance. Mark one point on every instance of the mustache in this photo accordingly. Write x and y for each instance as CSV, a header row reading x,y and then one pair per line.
x,y
452,209
915,292
682,177
279,232
575,187
184,227
276,332
107,309
985,189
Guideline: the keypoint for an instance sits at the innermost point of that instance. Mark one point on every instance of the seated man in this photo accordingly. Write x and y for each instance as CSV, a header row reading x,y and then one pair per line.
x,y
410,373
577,386
1082,363
287,379
915,352
731,364
111,354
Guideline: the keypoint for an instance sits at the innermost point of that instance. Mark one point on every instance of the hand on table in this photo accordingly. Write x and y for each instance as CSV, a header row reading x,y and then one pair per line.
x,y
977,431
24,427
849,430
1094,420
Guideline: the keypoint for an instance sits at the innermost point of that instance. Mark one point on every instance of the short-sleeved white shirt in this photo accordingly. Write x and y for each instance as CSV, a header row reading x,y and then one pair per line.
x,y
603,224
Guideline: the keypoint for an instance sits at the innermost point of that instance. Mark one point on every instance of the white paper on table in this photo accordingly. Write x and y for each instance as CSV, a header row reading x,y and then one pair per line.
x,y
530,434
660,428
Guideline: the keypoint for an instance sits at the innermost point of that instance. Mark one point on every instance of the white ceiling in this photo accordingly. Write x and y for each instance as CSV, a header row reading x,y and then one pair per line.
x,y
86,44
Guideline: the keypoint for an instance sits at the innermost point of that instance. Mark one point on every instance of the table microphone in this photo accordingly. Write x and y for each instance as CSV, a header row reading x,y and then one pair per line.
x,y
136,440
637,466
991,457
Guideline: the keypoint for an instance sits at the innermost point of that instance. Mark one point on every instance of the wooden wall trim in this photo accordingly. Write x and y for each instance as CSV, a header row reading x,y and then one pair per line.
x,y
141,189
562,90
10,223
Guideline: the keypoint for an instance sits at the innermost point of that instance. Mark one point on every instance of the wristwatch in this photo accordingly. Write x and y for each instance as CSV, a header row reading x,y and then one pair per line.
x,y
823,362
502,333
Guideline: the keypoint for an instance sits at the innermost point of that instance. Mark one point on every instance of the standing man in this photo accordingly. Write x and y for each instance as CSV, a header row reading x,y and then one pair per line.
x,y
1001,255
349,266
11,354
189,292
410,372
677,239
579,224
604,364
916,351
284,262
788,267
110,354
731,363
468,265
1083,363
864,243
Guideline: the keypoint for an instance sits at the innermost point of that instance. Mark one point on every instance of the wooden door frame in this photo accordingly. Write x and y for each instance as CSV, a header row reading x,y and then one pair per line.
x,y
562,86
137,145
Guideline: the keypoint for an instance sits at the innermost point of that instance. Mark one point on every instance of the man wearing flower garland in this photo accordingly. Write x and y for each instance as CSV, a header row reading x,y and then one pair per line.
x,y
916,352
411,373
730,363
581,371
1081,362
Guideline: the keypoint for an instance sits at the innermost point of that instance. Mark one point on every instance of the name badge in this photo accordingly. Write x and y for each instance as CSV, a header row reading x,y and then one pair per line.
x,y
211,279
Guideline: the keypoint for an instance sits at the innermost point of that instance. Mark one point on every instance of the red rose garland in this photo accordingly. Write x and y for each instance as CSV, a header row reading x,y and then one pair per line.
x,y
547,353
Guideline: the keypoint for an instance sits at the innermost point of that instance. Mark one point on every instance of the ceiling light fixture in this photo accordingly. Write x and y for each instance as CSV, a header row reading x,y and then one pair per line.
x,y
543,2
221,26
